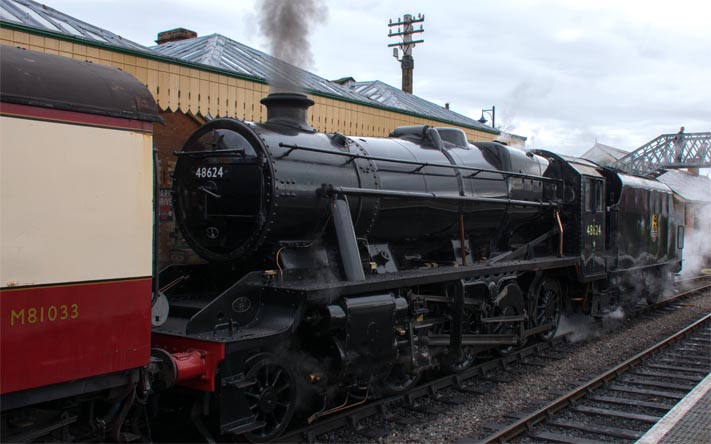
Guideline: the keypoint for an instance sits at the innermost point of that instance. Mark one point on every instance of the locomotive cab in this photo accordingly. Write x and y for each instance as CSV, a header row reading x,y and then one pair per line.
x,y
583,211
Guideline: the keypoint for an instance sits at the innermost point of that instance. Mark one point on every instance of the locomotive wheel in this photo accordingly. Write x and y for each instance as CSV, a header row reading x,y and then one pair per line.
x,y
468,352
272,398
468,358
400,379
510,304
547,309
499,329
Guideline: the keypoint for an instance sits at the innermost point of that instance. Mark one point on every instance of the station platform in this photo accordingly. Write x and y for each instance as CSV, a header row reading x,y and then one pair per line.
x,y
689,422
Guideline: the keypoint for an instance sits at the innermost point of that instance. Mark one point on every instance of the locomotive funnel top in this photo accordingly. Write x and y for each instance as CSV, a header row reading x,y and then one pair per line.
x,y
288,109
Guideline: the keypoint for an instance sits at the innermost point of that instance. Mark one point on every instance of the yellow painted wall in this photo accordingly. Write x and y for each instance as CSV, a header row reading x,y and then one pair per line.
x,y
180,88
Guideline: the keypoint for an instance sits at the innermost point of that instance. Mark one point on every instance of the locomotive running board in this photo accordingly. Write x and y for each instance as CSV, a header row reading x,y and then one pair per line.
x,y
317,290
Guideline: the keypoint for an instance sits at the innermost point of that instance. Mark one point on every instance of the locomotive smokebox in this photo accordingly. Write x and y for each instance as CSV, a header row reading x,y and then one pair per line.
x,y
288,109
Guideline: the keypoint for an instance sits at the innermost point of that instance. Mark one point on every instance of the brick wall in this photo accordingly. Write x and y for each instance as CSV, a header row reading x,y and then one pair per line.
x,y
167,139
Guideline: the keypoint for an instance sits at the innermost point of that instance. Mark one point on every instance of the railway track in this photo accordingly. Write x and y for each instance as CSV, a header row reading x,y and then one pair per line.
x,y
694,282
467,383
625,401
435,396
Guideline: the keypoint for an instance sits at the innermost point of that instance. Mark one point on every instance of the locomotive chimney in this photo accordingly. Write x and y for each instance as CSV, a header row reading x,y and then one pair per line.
x,y
288,109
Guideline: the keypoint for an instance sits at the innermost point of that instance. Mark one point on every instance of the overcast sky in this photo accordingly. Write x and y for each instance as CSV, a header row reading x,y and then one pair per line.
x,y
562,73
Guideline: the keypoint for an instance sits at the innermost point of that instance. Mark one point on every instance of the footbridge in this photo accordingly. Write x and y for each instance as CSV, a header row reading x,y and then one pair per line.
x,y
668,151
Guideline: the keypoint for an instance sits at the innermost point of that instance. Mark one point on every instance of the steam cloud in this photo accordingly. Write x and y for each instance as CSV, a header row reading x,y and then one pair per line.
x,y
287,24
580,327
697,244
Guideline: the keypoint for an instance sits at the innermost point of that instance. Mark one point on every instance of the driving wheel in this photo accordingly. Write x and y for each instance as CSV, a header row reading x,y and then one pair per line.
x,y
272,398
547,309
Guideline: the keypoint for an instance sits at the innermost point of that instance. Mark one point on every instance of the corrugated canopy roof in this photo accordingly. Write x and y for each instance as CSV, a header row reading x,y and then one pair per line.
x,y
221,52
392,97
36,15
688,186
604,154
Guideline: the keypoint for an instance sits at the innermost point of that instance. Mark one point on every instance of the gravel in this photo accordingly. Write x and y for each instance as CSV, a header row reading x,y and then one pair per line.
x,y
596,350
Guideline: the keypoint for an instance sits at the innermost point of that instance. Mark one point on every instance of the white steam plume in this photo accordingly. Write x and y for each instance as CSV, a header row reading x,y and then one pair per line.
x,y
697,243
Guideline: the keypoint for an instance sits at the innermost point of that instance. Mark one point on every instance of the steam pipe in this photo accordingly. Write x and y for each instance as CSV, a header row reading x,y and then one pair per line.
x,y
413,162
462,238
331,190
560,227
347,243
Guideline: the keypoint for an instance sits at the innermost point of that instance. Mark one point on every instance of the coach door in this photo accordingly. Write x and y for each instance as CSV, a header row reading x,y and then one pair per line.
x,y
593,226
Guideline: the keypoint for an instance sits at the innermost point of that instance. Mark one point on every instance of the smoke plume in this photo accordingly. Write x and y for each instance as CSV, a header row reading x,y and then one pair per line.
x,y
287,24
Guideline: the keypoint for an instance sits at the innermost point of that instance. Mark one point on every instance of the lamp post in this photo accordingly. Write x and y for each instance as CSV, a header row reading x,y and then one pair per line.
x,y
492,113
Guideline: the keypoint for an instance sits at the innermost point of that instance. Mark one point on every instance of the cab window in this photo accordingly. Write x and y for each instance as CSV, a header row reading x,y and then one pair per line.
x,y
593,194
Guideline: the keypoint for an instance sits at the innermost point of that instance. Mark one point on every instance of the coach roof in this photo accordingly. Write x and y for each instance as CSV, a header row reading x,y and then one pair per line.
x,y
52,81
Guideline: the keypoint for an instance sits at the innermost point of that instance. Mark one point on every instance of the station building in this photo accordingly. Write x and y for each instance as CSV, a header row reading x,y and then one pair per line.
x,y
194,79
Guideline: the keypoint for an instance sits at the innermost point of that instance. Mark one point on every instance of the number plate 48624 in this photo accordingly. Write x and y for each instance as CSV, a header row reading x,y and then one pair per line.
x,y
209,172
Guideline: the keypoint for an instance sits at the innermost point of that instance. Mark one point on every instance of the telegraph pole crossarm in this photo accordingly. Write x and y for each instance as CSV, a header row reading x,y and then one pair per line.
x,y
407,63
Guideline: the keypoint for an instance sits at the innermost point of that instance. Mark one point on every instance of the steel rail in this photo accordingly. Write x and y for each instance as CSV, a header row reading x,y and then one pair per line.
x,y
674,299
526,424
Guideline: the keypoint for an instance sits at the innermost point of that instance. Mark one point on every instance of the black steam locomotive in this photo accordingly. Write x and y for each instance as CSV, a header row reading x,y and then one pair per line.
x,y
341,268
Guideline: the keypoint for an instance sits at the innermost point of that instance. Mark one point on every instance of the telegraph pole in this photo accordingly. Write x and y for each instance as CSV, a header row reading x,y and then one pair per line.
x,y
406,62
